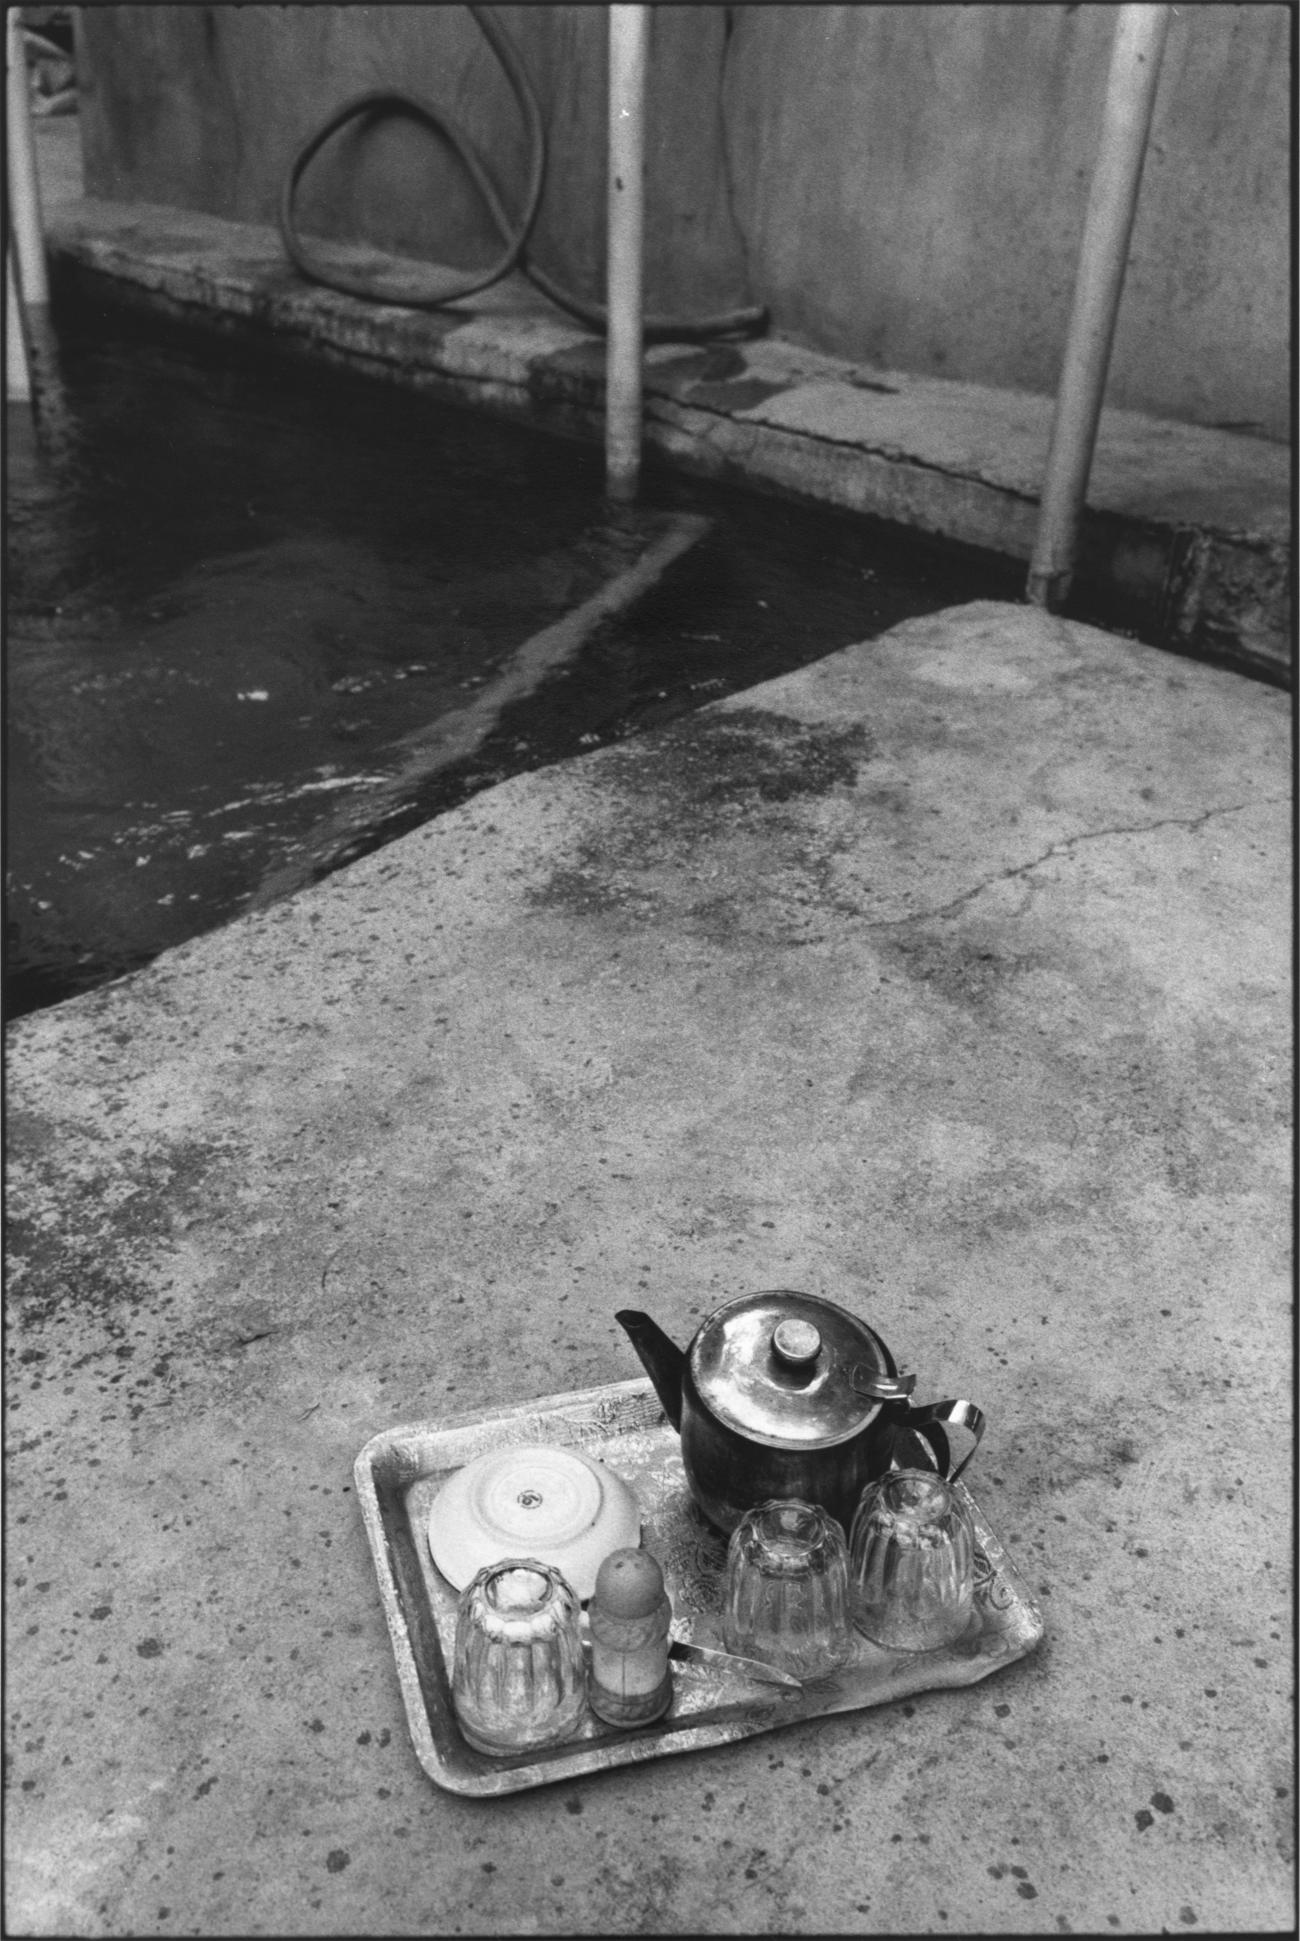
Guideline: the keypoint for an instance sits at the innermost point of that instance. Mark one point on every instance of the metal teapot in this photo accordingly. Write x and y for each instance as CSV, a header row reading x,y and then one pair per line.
x,y
784,1394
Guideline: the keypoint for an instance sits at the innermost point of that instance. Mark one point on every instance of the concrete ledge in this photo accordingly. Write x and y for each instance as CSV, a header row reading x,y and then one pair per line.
x,y
949,977
1187,537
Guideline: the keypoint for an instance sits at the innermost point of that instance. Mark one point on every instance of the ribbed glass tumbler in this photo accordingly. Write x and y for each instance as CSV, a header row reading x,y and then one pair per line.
x,y
787,1589
518,1674
911,1562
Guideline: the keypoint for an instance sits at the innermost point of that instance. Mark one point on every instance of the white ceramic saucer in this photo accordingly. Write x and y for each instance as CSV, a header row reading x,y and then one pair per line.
x,y
532,1501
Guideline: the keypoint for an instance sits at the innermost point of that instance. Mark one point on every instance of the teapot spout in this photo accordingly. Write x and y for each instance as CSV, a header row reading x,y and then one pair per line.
x,y
661,1358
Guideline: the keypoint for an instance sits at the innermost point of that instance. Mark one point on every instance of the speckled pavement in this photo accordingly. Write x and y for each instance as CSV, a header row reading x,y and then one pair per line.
x,y
949,978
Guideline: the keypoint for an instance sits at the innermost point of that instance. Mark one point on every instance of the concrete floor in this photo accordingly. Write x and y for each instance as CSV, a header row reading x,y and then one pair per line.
x,y
948,977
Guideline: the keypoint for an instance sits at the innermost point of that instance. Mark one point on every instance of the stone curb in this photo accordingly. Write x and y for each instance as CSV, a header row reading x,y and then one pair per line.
x,y
1187,535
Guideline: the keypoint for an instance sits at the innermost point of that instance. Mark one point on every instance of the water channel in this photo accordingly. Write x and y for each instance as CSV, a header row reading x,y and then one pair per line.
x,y
244,594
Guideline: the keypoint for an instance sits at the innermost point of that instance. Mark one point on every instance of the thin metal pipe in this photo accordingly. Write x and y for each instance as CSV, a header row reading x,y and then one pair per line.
x,y
18,375
1139,44
629,43
24,190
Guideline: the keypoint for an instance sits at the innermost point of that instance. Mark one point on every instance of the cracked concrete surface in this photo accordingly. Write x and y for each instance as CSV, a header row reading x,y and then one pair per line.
x,y
1070,842
949,978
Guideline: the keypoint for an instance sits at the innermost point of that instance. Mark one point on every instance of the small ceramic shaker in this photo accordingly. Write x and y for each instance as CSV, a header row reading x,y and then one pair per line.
x,y
630,1682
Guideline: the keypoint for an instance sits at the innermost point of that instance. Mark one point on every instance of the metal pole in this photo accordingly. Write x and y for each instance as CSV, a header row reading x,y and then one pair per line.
x,y
24,192
18,376
1099,281
629,40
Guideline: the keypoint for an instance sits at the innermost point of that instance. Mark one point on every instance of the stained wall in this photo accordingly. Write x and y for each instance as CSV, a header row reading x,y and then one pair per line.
x,y
900,184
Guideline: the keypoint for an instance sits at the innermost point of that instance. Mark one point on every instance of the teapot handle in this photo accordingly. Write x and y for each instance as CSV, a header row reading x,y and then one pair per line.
x,y
924,1424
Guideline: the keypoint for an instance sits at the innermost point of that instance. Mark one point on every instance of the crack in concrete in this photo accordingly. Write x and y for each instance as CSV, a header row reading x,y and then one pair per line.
x,y
888,454
896,455
1062,847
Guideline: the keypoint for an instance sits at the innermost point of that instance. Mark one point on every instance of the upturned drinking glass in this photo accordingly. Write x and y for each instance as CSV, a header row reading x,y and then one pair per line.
x,y
911,1562
518,1675
787,1588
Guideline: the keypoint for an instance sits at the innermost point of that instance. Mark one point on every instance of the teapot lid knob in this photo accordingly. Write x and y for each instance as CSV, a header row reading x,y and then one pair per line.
x,y
797,1343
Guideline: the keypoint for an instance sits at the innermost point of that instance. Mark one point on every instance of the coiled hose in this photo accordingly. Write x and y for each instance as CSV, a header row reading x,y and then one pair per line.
x,y
432,289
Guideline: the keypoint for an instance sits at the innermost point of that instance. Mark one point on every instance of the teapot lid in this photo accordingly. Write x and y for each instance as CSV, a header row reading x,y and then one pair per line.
x,y
792,1370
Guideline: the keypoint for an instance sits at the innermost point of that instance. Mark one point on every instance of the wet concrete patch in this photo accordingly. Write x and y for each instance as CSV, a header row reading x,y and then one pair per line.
x,y
719,786
672,368
717,378
722,764
741,394
732,757
119,1213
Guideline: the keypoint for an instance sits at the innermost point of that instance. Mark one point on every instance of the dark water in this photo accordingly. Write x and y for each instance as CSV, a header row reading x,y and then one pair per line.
x,y
234,583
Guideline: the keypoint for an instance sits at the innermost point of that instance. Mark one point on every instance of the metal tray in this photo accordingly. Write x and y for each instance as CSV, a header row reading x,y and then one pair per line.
x,y
400,1471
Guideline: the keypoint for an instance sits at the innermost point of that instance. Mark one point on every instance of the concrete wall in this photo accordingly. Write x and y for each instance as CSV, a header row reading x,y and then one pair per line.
x,y
903,184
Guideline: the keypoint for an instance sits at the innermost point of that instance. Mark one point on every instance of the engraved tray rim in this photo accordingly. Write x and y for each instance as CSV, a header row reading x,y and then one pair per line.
x,y
393,1463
